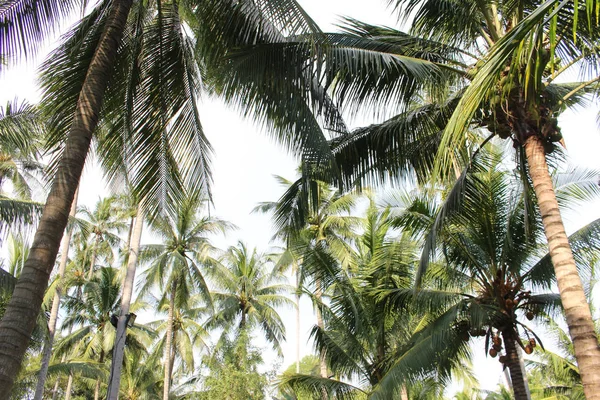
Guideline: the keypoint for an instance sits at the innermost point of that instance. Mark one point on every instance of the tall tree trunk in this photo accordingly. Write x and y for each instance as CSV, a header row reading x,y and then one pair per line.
x,y
47,352
93,259
169,340
172,355
320,324
69,387
24,307
97,388
297,320
577,310
119,349
55,390
517,379
403,393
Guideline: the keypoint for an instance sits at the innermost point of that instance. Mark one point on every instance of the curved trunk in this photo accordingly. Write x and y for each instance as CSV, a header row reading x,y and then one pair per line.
x,y
517,378
24,307
47,352
577,310
119,348
169,341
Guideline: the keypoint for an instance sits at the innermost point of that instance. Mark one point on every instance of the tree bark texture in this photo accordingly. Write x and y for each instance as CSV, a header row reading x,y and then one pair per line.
x,y
169,341
517,379
21,313
119,349
62,266
577,310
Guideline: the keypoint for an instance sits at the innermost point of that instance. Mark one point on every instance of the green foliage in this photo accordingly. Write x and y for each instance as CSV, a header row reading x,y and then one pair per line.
x,y
233,372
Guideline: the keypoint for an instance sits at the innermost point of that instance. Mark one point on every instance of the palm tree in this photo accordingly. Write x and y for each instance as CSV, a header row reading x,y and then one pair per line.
x,y
492,244
93,336
53,318
177,265
21,312
384,349
188,333
91,313
310,215
497,70
104,224
247,295
20,146
151,102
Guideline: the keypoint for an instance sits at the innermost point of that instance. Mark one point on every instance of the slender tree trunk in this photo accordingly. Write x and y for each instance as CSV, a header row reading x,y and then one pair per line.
x,y
97,389
517,379
320,324
577,310
47,352
24,307
172,355
169,340
403,393
69,387
93,259
297,320
55,390
119,349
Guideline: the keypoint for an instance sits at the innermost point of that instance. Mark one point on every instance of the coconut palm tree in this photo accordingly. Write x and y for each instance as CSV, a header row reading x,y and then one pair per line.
x,y
153,74
309,215
20,147
93,334
495,70
382,350
188,333
177,265
104,224
247,294
499,280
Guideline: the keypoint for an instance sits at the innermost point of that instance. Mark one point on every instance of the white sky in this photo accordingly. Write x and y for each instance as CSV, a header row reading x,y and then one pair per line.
x,y
245,160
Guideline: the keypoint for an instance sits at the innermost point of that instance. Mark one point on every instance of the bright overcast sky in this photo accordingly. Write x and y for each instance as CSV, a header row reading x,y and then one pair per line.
x,y
246,158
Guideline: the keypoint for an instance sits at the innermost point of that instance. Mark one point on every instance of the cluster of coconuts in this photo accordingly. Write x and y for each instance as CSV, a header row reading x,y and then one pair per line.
x,y
497,348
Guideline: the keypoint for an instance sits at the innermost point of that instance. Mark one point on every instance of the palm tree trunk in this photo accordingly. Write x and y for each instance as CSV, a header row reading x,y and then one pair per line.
x,y
93,259
119,349
24,307
55,390
172,355
47,352
169,340
577,310
321,325
298,320
404,393
69,388
97,389
517,379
